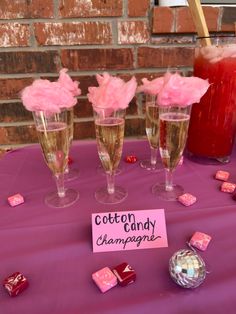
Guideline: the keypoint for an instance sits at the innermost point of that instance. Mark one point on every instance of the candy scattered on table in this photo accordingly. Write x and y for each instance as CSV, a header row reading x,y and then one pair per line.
x,y
104,279
131,159
187,269
125,274
70,160
187,199
228,187
15,200
222,175
15,284
200,240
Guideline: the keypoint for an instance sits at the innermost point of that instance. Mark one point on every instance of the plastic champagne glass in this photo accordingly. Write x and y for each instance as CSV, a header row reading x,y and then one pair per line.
x,y
70,173
109,128
174,122
150,111
52,130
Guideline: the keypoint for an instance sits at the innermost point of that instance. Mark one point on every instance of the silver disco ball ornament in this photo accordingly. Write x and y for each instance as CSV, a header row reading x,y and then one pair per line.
x,y
187,269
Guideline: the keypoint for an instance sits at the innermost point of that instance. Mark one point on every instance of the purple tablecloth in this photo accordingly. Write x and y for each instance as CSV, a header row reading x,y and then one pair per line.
x,y
53,248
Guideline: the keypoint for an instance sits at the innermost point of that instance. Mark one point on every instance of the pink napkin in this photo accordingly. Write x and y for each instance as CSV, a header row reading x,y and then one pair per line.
x,y
112,92
43,95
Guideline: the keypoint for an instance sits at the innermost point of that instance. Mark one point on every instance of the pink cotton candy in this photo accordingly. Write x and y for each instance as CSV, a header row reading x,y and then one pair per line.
x,y
181,91
112,92
151,87
66,82
43,95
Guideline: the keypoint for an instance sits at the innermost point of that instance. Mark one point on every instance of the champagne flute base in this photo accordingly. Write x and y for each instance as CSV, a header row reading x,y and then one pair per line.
x,y
71,175
53,200
160,191
146,164
102,195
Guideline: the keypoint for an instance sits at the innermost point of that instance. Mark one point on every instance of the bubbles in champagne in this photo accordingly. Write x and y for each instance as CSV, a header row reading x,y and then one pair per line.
x,y
55,145
173,136
110,135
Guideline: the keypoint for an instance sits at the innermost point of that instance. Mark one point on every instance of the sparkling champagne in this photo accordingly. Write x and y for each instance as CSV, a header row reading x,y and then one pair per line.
x,y
152,125
173,136
55,145
110,136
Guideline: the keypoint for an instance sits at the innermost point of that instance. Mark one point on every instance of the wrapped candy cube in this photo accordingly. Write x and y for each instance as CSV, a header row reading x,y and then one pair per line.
x,y
200,240
187,199
15,200
222,175
228,187
104,279
131,159
15,284
125,274
70,160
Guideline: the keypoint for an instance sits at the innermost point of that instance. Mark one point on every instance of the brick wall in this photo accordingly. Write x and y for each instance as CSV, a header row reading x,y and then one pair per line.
x,y
123,37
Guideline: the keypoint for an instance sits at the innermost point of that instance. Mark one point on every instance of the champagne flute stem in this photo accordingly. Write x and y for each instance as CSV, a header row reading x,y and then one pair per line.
x,y
67,169
110,183
60,184
169,180
153,156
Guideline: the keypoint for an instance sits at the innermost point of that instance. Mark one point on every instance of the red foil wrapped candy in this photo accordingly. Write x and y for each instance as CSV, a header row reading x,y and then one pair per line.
x,y
15,284
125,274
131,159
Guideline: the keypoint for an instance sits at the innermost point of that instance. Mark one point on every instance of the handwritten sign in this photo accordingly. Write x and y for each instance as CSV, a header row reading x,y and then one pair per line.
x,y
129,230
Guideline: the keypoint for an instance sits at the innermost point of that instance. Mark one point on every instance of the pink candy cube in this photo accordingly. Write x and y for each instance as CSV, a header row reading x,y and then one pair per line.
x,y
15,200
187,199
222,175
104,279
228,187
200,240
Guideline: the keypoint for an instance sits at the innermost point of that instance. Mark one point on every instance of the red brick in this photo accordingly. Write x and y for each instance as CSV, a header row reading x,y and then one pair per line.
x,y
133,32
163,20
134,127
83,109
28,62
73,33
90,8
85,82
23,9
84,130
14,35
138,9
184,21
97,59
22,134
228,19
165,57
10,88
14,112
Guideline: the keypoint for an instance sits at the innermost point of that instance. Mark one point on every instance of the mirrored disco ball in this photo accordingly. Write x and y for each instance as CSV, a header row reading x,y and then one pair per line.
x,y
187,269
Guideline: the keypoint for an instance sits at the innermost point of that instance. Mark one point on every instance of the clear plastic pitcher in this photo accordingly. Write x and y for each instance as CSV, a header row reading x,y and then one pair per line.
x,y
213,121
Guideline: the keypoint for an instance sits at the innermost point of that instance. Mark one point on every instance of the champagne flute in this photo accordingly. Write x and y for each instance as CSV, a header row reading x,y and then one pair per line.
x,y
109,128
52,130
174,122
150,110
70,173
